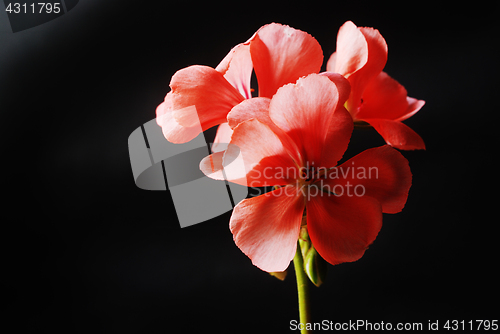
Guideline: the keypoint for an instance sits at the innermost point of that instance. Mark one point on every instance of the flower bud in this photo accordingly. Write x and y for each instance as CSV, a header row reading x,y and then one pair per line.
x,y
314,265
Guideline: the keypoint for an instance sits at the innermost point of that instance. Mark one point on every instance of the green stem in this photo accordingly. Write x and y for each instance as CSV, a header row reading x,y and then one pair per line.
x,y
303,290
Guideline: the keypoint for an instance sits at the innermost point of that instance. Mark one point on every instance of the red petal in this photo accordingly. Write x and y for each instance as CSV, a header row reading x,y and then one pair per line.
x,y
381,172
257,157
386,98
207,90
211,166
361,55
222,138
257,107
331,64
162,109
281,55
172,130
341,126
352,51
341,228
308,112
397,134
237,68
377,50
266,228
343,85
414,106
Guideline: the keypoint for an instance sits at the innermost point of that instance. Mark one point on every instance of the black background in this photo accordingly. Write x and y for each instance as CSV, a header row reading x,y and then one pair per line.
x,y
86,251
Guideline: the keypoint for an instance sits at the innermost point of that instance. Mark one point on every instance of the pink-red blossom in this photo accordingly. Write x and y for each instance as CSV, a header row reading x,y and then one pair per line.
x,y
277,53
304,130
376,98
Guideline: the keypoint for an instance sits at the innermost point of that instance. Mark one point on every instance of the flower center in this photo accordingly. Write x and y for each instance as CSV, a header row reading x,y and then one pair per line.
x,y
306,174
311,174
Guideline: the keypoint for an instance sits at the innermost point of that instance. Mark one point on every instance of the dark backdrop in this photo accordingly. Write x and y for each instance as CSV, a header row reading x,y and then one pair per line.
x,y
86,251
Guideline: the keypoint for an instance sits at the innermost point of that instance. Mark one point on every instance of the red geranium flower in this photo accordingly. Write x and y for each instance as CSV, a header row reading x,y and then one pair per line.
x,y
376,98
292,142
278,54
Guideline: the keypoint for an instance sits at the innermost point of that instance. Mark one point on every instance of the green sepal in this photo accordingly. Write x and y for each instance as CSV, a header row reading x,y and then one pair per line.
x,y
314,265
281,275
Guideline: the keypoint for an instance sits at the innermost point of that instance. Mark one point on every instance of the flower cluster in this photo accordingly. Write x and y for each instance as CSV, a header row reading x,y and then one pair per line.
x,y
292,135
